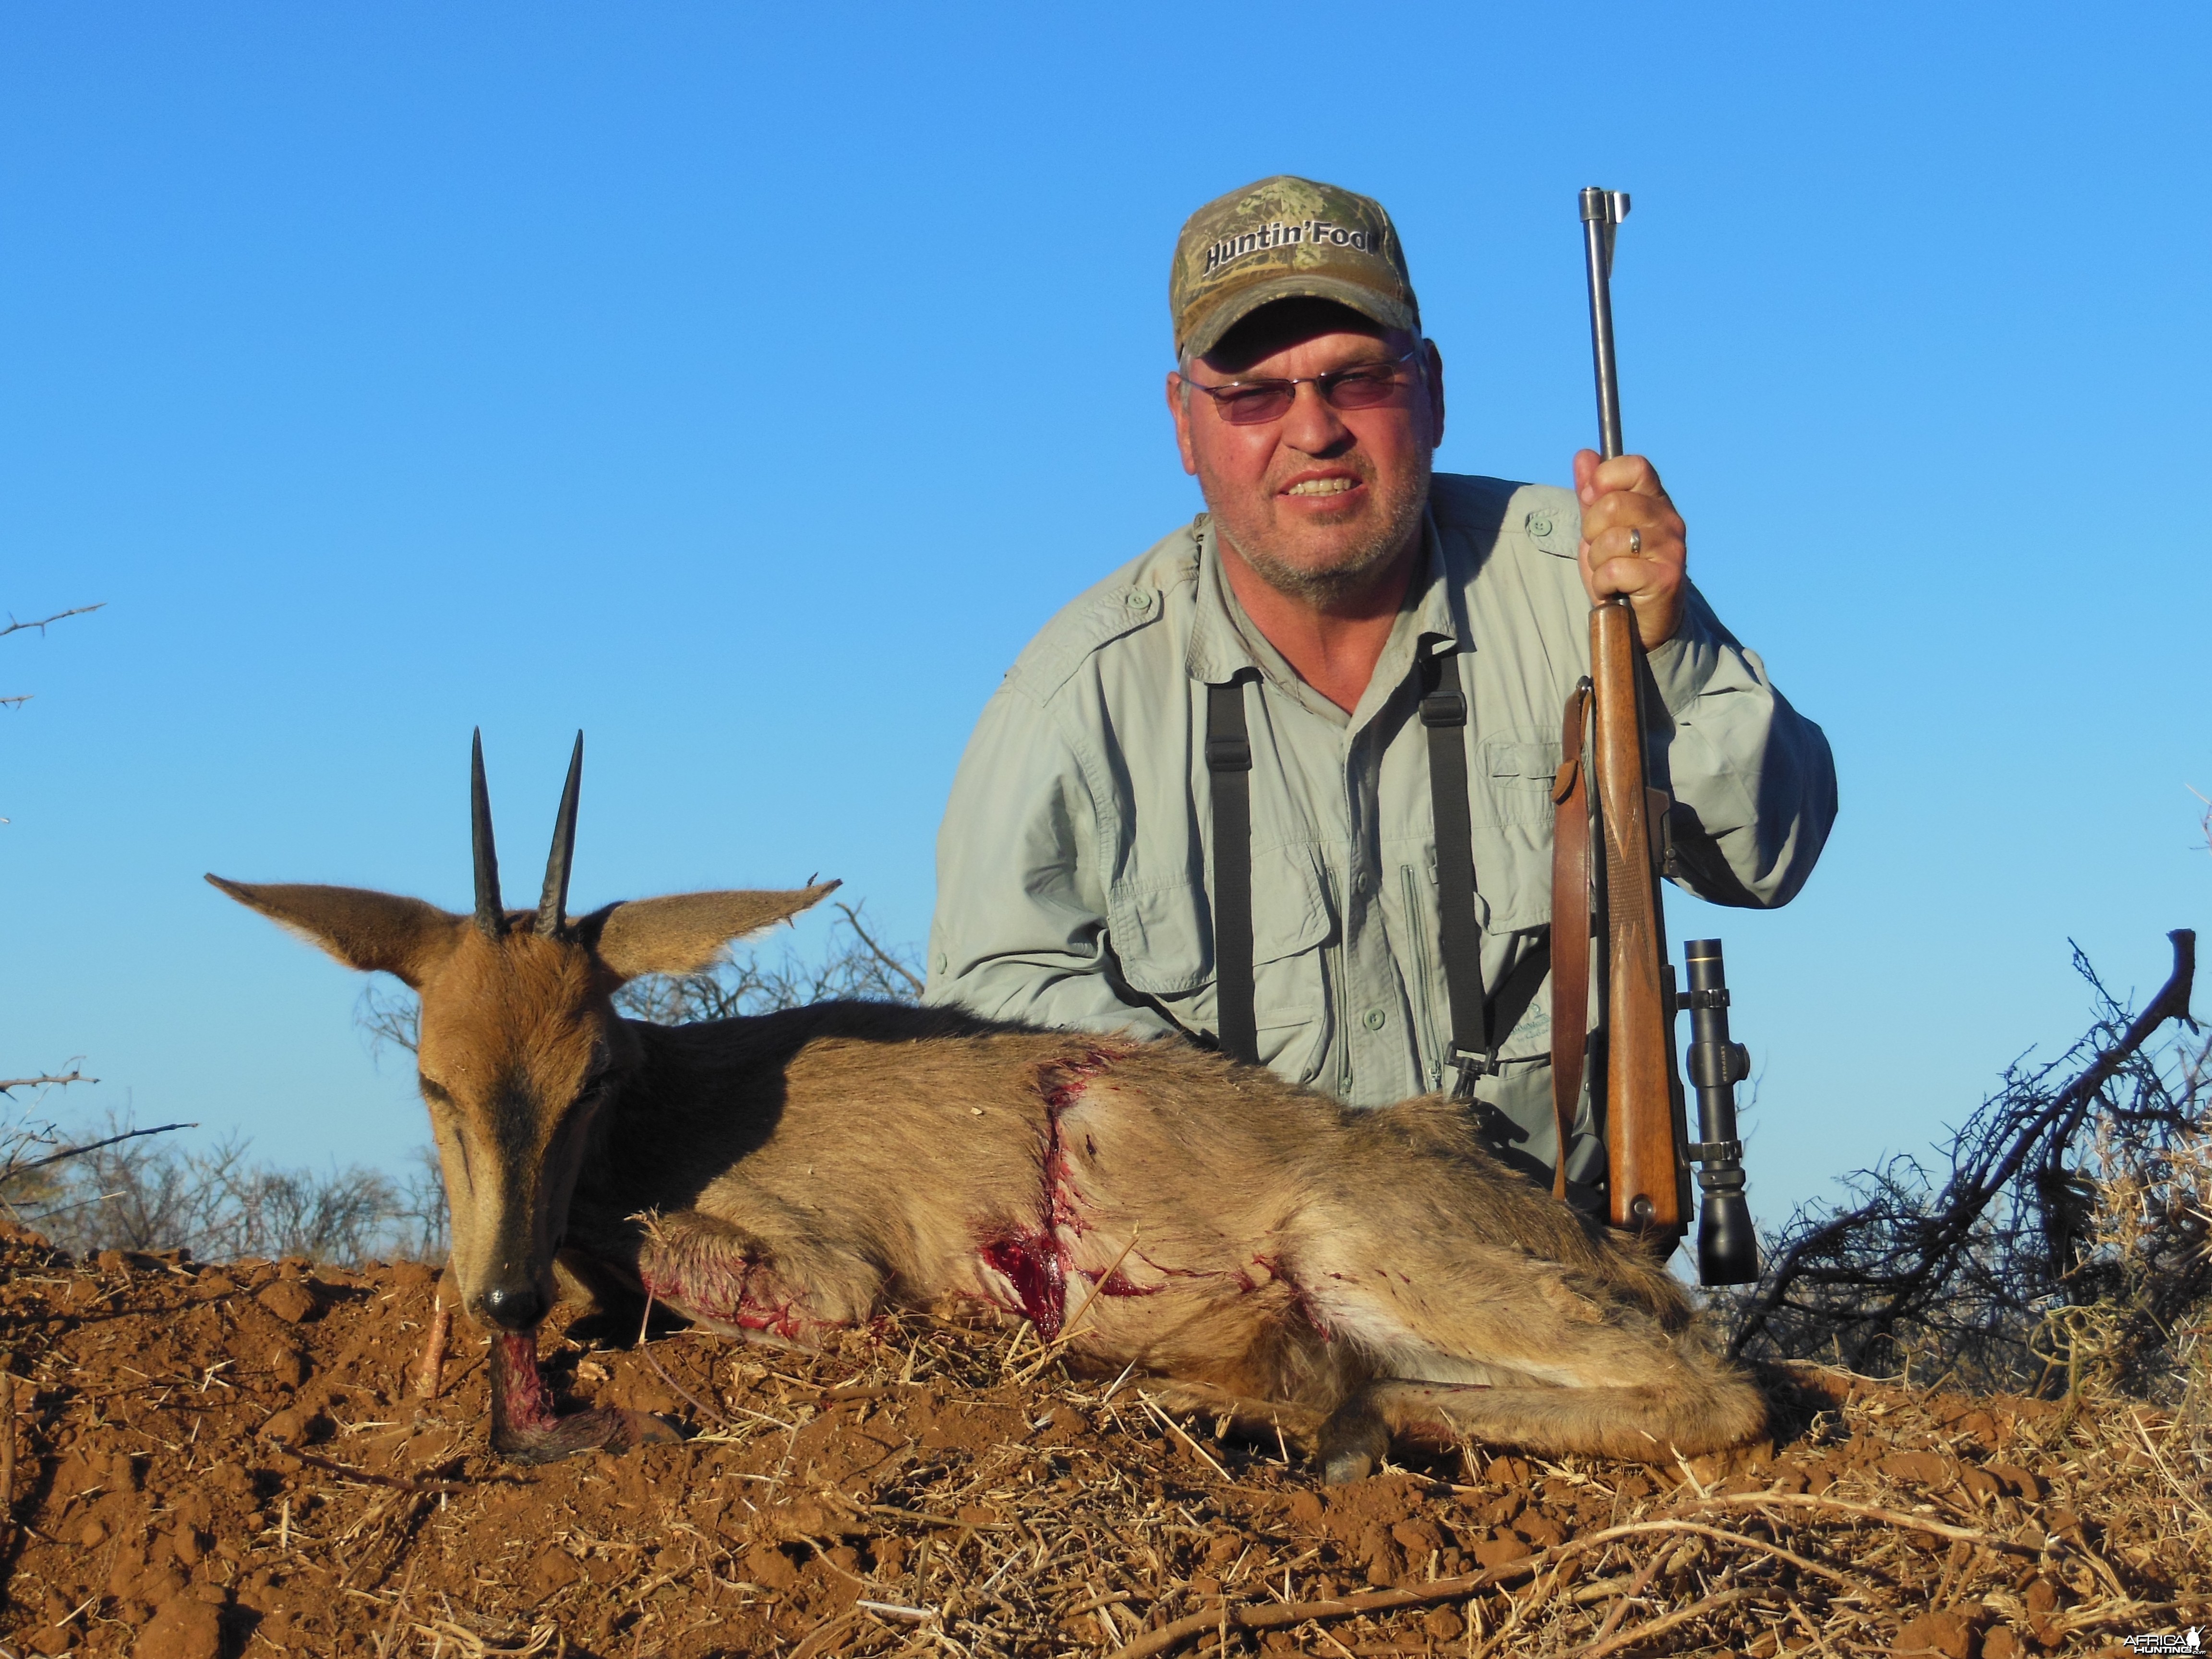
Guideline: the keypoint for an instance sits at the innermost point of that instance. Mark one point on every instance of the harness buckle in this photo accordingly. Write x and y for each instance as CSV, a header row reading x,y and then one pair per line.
x,y
1471,1064
1228,755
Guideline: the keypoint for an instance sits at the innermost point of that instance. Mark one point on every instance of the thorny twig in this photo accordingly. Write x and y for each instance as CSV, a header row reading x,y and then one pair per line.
x,y
369,1477
41,625
43,622
53,1080
90,1145
1968,1272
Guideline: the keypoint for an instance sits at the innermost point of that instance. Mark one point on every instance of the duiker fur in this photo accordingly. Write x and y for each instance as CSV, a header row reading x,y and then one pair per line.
x,y
1350,1276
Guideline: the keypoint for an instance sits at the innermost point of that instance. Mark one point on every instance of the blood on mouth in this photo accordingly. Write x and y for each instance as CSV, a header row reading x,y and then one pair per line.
x,y
526,1402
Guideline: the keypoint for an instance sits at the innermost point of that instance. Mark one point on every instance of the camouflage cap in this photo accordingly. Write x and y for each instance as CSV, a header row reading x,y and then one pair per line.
x,y
1285,238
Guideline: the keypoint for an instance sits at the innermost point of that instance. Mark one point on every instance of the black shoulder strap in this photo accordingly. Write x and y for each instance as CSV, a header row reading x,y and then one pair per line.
x,y
1444,711
1229,760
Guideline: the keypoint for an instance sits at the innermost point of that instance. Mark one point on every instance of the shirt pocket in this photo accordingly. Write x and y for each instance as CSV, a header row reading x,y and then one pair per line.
x,y
1513,773
1293,1013
1164,936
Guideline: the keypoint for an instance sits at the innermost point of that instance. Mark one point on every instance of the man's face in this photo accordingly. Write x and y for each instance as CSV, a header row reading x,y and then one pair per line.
x,y
1322,502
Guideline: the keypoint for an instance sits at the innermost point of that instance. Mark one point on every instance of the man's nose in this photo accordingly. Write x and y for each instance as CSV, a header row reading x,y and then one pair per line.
x,y
1313,427
514,1307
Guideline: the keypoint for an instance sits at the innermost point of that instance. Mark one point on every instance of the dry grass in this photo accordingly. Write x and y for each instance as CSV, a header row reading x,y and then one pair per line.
x,y
930,1490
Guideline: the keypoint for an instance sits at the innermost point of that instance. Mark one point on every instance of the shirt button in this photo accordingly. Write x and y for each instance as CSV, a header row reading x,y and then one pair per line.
x,y
1374,1019
1538,525
1139,601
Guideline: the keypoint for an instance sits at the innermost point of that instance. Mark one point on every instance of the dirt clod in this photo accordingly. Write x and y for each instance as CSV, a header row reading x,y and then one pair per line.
x,y
288,1299
185,1629
1935,1636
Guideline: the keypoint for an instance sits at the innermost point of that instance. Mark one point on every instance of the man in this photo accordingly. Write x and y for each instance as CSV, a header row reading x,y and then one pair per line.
x,y
1325,587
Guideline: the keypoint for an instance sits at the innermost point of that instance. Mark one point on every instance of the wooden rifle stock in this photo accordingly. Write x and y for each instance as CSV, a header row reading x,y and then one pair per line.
x,y
1649,1183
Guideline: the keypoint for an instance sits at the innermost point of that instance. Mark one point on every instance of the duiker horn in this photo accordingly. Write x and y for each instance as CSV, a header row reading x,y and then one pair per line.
x,y
550,921
491,915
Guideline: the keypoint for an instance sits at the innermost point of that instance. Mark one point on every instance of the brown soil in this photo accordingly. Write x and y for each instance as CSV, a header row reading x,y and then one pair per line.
x,y
230,1461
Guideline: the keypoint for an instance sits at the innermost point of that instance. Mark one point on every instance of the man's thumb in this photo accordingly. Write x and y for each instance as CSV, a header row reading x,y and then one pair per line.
x,y
1586,465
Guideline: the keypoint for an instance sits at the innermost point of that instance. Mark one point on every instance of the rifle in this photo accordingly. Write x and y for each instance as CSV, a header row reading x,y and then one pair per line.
x,y
1606,800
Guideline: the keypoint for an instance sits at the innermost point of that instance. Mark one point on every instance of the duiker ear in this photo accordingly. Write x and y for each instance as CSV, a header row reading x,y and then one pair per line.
x,y
685,933
373,931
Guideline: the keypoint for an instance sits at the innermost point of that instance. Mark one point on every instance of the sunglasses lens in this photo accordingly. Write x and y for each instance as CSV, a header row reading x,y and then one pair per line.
x,y
1251,405
1364,390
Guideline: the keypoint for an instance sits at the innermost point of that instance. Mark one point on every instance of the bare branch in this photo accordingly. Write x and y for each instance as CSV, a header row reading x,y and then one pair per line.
x,y
52,1082
94,1146
1982,1269
890,962
854,966
45,622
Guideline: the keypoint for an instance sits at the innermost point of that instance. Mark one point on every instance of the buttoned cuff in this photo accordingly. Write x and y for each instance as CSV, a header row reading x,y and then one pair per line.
x,y
1685,664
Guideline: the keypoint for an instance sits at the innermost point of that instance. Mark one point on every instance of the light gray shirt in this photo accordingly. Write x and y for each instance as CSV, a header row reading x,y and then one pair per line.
x,y
1074,863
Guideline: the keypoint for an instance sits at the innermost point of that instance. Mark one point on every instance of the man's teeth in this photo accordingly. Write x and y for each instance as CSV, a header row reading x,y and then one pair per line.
x,y
1321,486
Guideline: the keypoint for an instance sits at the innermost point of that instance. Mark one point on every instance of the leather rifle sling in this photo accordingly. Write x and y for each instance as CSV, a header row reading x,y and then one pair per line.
x,y
1228,766
1443,712
1570,924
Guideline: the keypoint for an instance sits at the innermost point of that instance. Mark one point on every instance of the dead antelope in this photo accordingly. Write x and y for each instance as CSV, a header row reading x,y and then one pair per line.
x,y
1350,1275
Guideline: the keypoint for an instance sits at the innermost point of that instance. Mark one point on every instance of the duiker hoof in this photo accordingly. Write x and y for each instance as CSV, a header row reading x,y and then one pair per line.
x,y
604,1429
1353,1442
1346,1467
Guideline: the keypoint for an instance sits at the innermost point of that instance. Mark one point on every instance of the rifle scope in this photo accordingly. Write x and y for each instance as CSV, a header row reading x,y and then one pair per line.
x,y
1728,1245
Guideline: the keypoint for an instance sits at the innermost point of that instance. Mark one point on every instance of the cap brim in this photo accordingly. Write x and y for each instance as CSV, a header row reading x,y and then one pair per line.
x,y
1208,331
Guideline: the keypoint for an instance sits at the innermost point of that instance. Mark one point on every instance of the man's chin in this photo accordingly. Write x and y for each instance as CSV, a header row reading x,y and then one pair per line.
x,y
1326,579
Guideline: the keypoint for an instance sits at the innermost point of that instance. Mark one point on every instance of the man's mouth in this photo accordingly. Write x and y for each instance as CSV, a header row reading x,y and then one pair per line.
x,y
1323,487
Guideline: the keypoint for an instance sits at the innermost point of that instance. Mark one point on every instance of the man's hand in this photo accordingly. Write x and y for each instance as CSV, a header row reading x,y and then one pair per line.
x,y
1633,542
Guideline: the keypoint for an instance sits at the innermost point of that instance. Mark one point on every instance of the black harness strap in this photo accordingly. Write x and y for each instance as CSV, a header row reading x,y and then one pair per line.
x,y
1474,1051
1228,760
1478,1024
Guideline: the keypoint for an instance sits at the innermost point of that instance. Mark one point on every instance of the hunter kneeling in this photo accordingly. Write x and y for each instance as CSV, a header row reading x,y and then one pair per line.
x,y
1284,784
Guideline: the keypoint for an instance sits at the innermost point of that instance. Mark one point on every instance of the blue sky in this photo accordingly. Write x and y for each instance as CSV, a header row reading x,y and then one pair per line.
x,y
745,386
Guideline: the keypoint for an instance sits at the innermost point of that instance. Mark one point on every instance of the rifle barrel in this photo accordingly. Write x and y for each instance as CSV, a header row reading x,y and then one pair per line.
x,y
1602,212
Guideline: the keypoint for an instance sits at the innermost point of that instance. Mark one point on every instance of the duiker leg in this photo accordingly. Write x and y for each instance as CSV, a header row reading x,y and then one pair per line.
x,y
1240,1414
1528,1353
1524,1324
769,1281
1694,1409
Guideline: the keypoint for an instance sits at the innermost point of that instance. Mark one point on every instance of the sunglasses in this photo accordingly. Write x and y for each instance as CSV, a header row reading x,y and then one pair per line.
x,y
1256,402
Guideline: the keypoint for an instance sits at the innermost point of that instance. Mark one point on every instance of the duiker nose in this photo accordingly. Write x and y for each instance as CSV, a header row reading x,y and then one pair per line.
x,y
513,1310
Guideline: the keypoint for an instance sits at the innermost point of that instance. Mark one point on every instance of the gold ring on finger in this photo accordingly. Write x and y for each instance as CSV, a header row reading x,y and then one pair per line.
x,y
1635,543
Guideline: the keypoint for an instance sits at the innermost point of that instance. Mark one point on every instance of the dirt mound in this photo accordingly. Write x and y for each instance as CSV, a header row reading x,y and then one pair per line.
x,y
231,1461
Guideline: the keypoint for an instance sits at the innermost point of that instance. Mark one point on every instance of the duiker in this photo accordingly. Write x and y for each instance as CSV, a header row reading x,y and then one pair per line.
x,y
1349,1276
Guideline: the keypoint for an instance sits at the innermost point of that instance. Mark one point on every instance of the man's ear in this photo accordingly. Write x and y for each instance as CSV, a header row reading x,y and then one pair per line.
x,y
685,933
1436,379
373,931
1179,412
